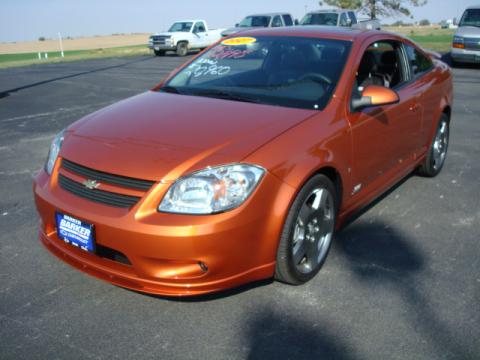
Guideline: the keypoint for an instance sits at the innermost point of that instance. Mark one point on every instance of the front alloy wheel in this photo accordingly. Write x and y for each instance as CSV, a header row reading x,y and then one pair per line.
x,y
308,232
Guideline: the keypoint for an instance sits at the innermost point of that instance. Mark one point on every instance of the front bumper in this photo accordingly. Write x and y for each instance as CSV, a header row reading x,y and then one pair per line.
x,y
170,254
466,56
164,47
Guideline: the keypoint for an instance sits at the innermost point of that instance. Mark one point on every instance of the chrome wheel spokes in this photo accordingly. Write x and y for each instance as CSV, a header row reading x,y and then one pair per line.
x,y
440,145
313,230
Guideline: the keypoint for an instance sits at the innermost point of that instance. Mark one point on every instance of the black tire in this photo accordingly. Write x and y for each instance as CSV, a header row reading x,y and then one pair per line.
x,y
182,49
287,270
432,164
159,52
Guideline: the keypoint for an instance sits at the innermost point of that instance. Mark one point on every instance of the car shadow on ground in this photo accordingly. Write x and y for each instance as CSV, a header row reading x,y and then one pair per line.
x,y
380,255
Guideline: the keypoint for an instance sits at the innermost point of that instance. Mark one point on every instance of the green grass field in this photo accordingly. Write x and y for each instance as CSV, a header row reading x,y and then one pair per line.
x,y
23,59
430,38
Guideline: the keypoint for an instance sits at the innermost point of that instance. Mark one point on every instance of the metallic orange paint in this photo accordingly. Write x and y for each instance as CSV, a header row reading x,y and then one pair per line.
x,y
380,95
160,137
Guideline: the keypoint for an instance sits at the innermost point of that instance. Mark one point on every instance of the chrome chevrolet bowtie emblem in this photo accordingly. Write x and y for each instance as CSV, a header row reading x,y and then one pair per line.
x,y
91,184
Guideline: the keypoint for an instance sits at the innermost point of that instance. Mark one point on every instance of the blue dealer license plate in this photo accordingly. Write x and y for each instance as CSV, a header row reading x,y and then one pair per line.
x,y
75,232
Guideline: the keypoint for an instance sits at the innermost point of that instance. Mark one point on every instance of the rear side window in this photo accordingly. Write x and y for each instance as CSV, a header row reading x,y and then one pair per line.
x,y
343,20
418,62
287,19
277,21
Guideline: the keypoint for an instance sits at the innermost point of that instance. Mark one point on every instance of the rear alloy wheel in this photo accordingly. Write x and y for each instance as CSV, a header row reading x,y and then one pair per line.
x,y
308,232
433,163
182,49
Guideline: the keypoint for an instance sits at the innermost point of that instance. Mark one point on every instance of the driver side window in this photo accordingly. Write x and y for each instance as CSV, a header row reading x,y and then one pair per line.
x,y
277,21
199,27
381,65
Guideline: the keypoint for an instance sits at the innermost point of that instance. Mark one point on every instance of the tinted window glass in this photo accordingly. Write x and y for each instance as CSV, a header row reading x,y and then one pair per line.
x,y
343,20
419,63
285,71
352,17
277,21
320,19
255,21
287,19
199,27
471,17
380,65
181,27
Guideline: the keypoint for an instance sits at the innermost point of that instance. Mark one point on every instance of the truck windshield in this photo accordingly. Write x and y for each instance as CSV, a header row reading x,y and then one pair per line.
x,y
275,70
471,17
181,27
255,21
320,19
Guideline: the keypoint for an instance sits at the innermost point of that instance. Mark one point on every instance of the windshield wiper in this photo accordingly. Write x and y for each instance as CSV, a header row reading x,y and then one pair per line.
x,y
225,95
170,89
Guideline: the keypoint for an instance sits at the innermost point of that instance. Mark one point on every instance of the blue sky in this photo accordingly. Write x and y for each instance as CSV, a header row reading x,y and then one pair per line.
x,y
30,19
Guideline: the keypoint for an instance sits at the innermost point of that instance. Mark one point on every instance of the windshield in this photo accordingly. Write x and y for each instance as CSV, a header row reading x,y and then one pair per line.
x,y
276,70
471,17
320,19
255,21
181,27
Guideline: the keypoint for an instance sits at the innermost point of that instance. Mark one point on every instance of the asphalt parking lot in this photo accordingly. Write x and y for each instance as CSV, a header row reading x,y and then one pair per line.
x,y
402,281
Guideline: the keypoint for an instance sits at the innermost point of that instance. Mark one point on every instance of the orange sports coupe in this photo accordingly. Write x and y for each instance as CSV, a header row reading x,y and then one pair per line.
x,y
243,162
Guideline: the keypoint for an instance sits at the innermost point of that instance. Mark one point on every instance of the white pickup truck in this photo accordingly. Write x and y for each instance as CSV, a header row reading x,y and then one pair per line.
x,y
183,36
339,17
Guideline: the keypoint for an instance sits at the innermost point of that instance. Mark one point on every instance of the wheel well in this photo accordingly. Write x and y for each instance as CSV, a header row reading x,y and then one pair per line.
x,y
182,41
336,179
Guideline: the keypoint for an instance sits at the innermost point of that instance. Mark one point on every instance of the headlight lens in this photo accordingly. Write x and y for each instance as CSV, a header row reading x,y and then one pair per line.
x,y
53,152
212,190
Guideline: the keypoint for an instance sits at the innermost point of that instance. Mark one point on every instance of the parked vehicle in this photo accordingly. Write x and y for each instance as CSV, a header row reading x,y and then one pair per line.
x,y
261,20
466,42
339,17
241,165
184,36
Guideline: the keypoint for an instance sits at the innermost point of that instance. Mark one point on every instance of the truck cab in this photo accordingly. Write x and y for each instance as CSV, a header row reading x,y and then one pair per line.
x,y
466,42
339,17
280,19
183,36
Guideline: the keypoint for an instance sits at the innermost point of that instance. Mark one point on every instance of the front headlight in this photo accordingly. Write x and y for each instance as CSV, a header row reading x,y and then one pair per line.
x,y
53,152
212,190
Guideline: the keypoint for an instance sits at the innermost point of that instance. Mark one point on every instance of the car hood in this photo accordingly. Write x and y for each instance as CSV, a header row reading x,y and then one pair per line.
x,y
161,136
468,31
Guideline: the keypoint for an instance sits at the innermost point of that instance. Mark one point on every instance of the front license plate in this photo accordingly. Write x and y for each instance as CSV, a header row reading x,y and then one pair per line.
x,y
75,232
157,48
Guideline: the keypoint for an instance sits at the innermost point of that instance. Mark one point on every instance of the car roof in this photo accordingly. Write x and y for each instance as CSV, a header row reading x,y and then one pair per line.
x,y
338,11
473,7
270,14
325,32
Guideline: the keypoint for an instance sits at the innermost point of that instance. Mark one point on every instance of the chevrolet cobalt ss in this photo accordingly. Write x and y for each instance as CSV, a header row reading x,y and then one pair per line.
x,y
242,164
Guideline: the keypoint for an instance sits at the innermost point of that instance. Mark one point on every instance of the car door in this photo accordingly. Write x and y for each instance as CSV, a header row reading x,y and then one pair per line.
x,y
384,138
200,35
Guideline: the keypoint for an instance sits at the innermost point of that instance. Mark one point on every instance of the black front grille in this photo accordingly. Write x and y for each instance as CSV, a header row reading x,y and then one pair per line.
x,y
101,196
91,174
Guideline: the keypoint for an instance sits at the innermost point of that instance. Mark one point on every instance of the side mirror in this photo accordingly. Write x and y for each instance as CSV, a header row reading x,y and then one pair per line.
x,y
296,22
374,95
236,25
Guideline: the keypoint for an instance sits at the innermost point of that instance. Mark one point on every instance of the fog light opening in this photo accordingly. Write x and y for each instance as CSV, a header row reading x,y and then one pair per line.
x,y
203,266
